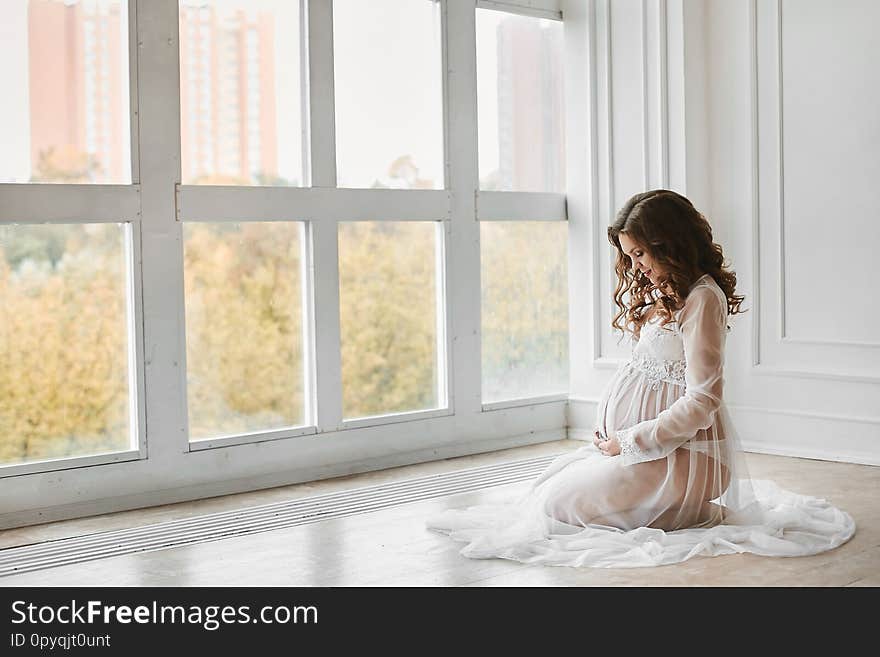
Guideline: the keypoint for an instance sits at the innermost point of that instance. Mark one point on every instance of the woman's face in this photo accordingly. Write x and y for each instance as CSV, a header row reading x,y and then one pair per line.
x,y
640,259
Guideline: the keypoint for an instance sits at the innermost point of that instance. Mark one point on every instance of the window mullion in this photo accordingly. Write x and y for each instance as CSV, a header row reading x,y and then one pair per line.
x,y
322,242
459,29
161,235
134,130
322,103
68,203
523,206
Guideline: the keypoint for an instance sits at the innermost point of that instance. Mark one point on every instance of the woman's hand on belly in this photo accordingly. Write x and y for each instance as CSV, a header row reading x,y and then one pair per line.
x,y
608,447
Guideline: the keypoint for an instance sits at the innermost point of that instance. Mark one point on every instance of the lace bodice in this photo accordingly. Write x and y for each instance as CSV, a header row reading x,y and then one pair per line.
x,y
659,353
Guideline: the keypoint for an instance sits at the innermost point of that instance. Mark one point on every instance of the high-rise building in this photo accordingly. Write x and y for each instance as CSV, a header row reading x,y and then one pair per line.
x,y
227,76
530,114
76,91
79,97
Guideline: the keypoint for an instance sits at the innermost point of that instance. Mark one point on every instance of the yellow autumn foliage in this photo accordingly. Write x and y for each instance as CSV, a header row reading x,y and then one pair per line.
x,y
63,347
64,379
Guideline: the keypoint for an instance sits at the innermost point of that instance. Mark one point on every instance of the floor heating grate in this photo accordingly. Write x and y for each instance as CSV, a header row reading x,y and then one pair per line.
x,y
267,517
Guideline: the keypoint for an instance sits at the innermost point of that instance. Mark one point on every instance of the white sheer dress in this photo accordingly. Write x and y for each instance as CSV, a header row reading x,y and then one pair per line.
x,y
679,487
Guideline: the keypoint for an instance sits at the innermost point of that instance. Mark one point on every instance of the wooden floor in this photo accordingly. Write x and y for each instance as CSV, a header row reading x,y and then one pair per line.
x,y
391,547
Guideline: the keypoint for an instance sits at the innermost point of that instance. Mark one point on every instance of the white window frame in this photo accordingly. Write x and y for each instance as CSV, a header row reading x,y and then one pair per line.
x,y
167,467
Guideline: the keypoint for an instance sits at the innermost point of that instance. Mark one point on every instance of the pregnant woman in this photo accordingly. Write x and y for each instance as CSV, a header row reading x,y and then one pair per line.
x,y
664,478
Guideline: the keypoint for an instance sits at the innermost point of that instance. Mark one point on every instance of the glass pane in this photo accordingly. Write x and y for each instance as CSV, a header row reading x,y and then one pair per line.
x,y
389,104
241,93
525,308
244,330
389,319
67,120
64,345
519,99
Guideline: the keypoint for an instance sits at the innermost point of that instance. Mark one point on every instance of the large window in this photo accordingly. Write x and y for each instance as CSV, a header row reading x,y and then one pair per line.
x,y
274,270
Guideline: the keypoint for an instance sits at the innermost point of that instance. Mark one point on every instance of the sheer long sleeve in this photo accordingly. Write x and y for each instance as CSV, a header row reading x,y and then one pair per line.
x,y
703,322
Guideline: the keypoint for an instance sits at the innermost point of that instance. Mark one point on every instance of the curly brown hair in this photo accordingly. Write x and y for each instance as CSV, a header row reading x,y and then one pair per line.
x,y
679,239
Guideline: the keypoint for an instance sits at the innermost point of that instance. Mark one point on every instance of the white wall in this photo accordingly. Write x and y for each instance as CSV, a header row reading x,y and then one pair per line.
x,y
782,129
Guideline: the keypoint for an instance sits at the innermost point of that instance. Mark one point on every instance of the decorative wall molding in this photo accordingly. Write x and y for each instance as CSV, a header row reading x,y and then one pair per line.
x,y
772,350
663,79
835,343
754,152
765,370
776,430
654,72
646,129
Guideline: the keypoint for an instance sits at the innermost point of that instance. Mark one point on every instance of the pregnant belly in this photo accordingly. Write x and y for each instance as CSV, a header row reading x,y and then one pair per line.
x,y
614,412
632,399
